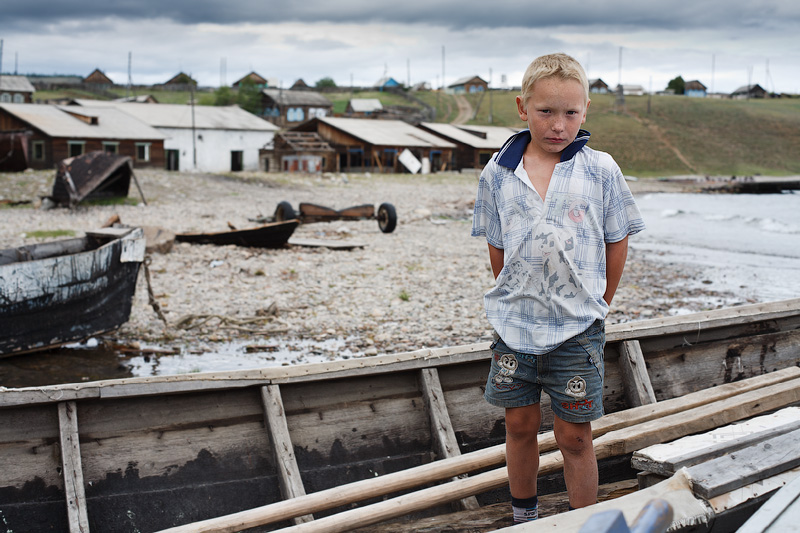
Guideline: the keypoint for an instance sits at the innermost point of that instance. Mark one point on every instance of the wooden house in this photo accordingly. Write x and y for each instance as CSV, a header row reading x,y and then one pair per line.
x,y
59,132
15,90
180,82
298,151
287,108
749,91
363,107
381,145
598,86
256,79
474,145
98,79
631,90
469,84
387,82
300,85
694,89
206,138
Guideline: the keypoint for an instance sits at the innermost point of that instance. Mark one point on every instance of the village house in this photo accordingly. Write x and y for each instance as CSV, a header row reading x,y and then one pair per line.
x,y
300,85
381,145
15,90
256,79
469,84
630,90
474,145
206,138
54,133
98,79
749,91
363,107
287,108
298,151
179,82
387,82
598,86
694,89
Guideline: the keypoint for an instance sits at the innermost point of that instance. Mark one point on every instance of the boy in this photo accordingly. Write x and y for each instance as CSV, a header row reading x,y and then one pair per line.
x,y
556,215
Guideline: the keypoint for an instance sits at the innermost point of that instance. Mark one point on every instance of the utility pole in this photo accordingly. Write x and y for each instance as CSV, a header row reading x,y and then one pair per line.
x,y
490,96
130,82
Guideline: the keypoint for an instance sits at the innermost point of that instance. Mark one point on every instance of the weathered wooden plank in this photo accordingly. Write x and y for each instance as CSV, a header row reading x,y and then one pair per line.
x,y
747,465
694,367
444,437
638,389
73,472
780,514
289,473
666,459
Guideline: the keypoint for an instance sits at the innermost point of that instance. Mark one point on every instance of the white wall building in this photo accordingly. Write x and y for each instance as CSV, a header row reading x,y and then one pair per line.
x,y
205,138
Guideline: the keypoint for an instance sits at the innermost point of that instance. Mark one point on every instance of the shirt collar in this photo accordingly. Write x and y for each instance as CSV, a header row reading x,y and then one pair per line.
x,y
513,149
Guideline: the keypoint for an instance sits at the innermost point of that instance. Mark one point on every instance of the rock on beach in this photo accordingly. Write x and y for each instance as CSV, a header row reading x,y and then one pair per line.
x,y
420,286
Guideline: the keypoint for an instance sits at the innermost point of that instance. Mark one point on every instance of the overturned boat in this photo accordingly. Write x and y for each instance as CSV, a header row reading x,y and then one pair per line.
x,y
65,291
94,175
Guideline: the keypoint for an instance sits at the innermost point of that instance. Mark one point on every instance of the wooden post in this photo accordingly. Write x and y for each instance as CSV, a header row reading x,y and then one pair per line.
x,y
77,516
638,389
288,471
444,437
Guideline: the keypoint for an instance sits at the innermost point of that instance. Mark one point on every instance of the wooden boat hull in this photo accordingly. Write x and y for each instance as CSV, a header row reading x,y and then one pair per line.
x,y
273,235
163,451
67,290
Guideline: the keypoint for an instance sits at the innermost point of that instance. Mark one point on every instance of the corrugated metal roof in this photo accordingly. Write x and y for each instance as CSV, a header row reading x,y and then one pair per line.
x,y
495,136
289,97
180,116
387,132
365,105
55,121
15,83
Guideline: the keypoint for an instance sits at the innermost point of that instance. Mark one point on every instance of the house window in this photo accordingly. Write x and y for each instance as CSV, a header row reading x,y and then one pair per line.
x,y
38,150
76,148
110,147
19,99
295,114
143,152
5,97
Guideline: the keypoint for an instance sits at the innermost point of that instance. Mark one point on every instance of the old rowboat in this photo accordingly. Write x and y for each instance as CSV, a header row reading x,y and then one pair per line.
x,y
338,445
67,290
272,235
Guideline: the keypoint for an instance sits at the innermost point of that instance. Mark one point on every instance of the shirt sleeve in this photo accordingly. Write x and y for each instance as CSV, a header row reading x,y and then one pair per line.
x,y
622,216
485,217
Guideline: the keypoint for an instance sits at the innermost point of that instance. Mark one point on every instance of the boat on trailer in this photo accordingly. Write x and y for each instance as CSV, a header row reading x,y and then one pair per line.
x,y
67,290
352,443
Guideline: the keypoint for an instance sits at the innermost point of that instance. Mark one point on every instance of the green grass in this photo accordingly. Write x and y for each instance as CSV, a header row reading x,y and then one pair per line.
x,y
49,234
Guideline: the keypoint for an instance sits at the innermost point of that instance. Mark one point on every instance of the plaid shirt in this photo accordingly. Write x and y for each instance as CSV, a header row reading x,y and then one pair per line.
x,y
554,270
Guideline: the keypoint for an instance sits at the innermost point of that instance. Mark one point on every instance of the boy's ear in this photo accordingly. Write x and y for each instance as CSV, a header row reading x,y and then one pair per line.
x,y
588,102
522,109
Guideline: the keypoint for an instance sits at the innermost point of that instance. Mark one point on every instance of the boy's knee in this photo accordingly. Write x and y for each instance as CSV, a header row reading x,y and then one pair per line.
x,y
574,439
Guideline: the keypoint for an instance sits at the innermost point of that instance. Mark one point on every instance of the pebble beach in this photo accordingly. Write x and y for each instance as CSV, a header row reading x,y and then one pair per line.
x,y
419,286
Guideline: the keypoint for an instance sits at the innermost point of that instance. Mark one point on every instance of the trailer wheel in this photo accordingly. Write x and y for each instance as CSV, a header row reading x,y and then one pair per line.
x,y
284,211
387,218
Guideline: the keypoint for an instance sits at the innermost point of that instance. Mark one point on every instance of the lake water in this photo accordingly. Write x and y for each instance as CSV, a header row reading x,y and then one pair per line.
x,y
745,243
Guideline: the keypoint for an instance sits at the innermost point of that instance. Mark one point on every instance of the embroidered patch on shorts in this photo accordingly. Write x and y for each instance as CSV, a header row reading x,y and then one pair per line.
x,y
508,365
576,387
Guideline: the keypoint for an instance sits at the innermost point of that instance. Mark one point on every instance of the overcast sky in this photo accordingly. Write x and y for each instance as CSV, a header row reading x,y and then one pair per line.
x,y
724,44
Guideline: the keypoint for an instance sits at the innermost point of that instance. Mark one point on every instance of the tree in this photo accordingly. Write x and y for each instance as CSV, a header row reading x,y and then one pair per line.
x,y
249,97
325,82
677,85
224,96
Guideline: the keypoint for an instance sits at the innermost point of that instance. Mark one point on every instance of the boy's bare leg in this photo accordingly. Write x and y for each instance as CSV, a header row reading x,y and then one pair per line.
x,y
522,449
580,462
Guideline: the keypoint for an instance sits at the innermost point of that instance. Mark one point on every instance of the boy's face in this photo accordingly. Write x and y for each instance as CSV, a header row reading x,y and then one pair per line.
x,y
554,111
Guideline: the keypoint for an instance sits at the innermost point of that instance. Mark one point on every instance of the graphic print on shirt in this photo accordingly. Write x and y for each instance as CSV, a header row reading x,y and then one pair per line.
x,y
557,249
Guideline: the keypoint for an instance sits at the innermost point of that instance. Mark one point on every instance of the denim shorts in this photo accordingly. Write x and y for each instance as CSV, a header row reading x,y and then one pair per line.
x,y
572,375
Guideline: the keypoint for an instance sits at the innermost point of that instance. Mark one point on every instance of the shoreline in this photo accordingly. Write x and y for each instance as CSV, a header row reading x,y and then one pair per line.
x,y
420,286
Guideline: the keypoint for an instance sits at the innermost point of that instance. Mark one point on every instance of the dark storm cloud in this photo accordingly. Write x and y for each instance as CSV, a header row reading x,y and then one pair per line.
x,y
448,13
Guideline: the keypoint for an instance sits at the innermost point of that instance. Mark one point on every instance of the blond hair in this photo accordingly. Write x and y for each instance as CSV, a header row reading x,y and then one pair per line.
x,y
553,65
